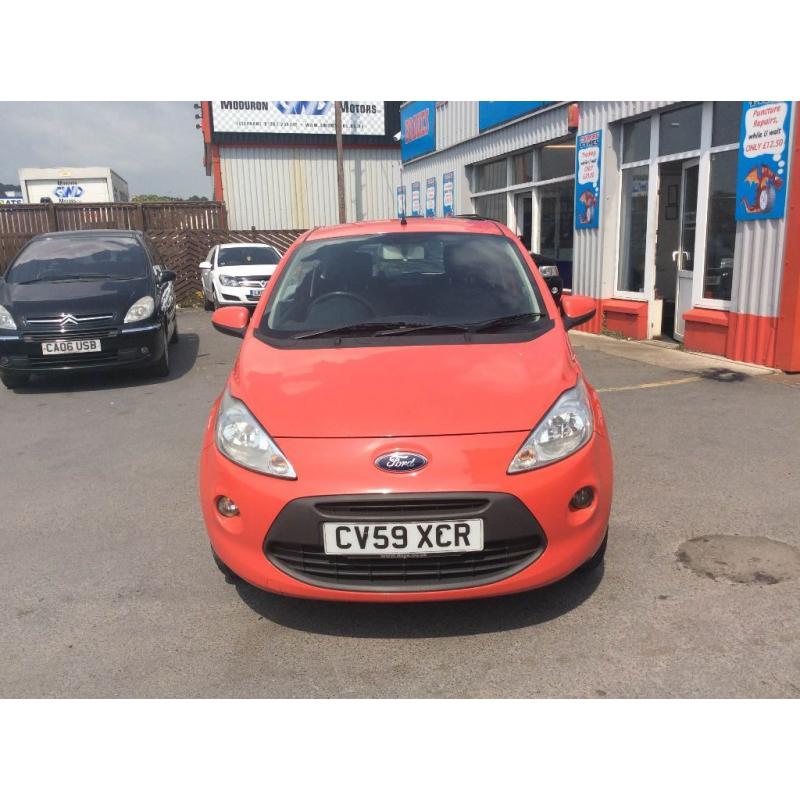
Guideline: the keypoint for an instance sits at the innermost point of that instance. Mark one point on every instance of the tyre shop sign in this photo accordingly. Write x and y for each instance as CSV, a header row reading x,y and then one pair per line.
x,y
587,180
763,160
359,117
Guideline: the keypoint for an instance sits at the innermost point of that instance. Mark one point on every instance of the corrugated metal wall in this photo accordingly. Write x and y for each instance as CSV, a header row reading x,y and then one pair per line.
x,y
275,188
455,124
456,120
595,250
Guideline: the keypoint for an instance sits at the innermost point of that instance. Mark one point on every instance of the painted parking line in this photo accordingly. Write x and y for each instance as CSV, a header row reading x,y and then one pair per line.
x,y
651,385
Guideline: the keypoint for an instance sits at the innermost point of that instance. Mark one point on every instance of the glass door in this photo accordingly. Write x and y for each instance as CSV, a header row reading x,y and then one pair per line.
x,y
684,256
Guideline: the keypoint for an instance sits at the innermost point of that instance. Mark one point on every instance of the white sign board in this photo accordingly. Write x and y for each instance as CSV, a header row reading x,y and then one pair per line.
x,y
359,117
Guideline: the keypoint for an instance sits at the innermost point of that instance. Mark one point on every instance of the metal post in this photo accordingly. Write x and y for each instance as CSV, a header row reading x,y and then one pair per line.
x,y
337,107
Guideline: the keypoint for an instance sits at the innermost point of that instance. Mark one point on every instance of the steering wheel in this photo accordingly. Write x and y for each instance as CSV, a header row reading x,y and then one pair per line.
x,y
323,298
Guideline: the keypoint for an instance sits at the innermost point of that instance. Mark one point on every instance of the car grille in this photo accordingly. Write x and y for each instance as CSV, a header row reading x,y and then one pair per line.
x,y
494,562
72,333
254,281
513,539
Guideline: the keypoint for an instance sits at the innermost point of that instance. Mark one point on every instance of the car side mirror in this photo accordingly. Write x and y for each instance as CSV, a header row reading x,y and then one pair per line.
x,y
205,265
167,276
231,320
577,309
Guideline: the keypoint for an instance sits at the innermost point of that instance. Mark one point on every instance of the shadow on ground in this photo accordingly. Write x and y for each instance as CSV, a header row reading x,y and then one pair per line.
x,y
423,620
182,355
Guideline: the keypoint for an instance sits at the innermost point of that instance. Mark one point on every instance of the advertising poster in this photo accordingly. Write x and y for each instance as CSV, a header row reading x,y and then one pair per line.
x,y
401,201
430,197
763,160
417,129
587,180
359,117
415,200
448,190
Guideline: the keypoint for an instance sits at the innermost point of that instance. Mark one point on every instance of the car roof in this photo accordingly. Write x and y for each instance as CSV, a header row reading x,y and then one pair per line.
x,y
247,244
412,225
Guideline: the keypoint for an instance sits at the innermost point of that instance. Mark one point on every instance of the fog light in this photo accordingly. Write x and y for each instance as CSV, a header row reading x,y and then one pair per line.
x,y
145,350
227,507
582,498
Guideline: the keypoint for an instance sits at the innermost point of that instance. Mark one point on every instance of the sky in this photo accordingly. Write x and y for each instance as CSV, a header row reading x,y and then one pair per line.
x,y
155,147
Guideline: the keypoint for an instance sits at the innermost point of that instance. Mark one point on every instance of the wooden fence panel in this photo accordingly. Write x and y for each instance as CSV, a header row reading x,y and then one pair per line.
x,y
19,219
180,248
183,250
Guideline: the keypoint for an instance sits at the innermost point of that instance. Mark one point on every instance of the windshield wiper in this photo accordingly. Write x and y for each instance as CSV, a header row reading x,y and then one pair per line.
x,y
503,322
358,327
435,326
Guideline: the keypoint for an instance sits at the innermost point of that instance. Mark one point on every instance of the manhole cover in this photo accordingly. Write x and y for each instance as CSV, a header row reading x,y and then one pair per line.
x,y
741,559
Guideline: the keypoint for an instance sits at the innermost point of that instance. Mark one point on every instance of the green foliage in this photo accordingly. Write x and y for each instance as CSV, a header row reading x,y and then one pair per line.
x,y
159,198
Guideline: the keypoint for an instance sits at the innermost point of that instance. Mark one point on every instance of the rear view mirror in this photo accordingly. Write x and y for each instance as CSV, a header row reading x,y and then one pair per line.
x,y
577,309
231,320
205,265
167,276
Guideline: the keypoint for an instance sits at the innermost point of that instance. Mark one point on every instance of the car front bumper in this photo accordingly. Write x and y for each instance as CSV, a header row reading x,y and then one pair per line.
x,y
237,295
134,347
556,539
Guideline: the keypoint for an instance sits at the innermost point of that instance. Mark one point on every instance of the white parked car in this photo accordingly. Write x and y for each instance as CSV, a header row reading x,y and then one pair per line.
x,y
236,274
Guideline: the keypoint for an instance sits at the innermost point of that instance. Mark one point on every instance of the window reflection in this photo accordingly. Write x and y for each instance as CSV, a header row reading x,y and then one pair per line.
x,y
634,229
721,236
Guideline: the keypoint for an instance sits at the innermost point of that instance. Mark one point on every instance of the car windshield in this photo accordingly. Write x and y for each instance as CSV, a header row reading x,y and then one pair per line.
x,y
245,256
67,258
391,284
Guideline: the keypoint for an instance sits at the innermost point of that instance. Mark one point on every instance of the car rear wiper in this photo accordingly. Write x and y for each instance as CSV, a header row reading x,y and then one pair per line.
x,y
358,327
502,322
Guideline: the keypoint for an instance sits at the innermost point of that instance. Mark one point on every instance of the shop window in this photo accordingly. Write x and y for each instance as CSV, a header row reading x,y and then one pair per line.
x,y
721,233
634,229
522,167
491,175
556,211
679,130
492,206
636,141
727,119
557,160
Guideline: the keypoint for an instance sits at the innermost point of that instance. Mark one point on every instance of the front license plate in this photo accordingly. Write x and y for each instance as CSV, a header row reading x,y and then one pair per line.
x,y
402,538
254,294
63,347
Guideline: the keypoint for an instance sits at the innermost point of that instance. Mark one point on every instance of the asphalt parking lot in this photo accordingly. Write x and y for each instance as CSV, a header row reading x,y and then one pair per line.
x,y
109,589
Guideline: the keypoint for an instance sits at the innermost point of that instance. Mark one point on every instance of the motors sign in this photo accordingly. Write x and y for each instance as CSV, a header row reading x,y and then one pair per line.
x,y
315,117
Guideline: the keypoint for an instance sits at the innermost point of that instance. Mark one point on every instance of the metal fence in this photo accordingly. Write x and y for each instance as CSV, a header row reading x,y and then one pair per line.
x,y
182,233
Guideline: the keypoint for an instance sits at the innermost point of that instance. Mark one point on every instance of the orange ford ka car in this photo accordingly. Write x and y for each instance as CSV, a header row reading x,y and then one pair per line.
x,y
406,420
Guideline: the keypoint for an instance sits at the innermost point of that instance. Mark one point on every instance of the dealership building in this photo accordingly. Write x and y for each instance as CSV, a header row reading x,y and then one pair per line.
x,y
682,219
273,162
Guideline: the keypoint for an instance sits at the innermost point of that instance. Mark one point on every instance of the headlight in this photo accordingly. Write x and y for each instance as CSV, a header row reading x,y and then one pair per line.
x,y
140,310
229,280
6,320
241,438
566,427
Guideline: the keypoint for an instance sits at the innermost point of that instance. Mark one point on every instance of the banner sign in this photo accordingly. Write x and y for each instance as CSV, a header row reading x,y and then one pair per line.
x,y
587,180
430,197
417,129
415,200
763,160
10,201
491,113
401,201
448,190
359,117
